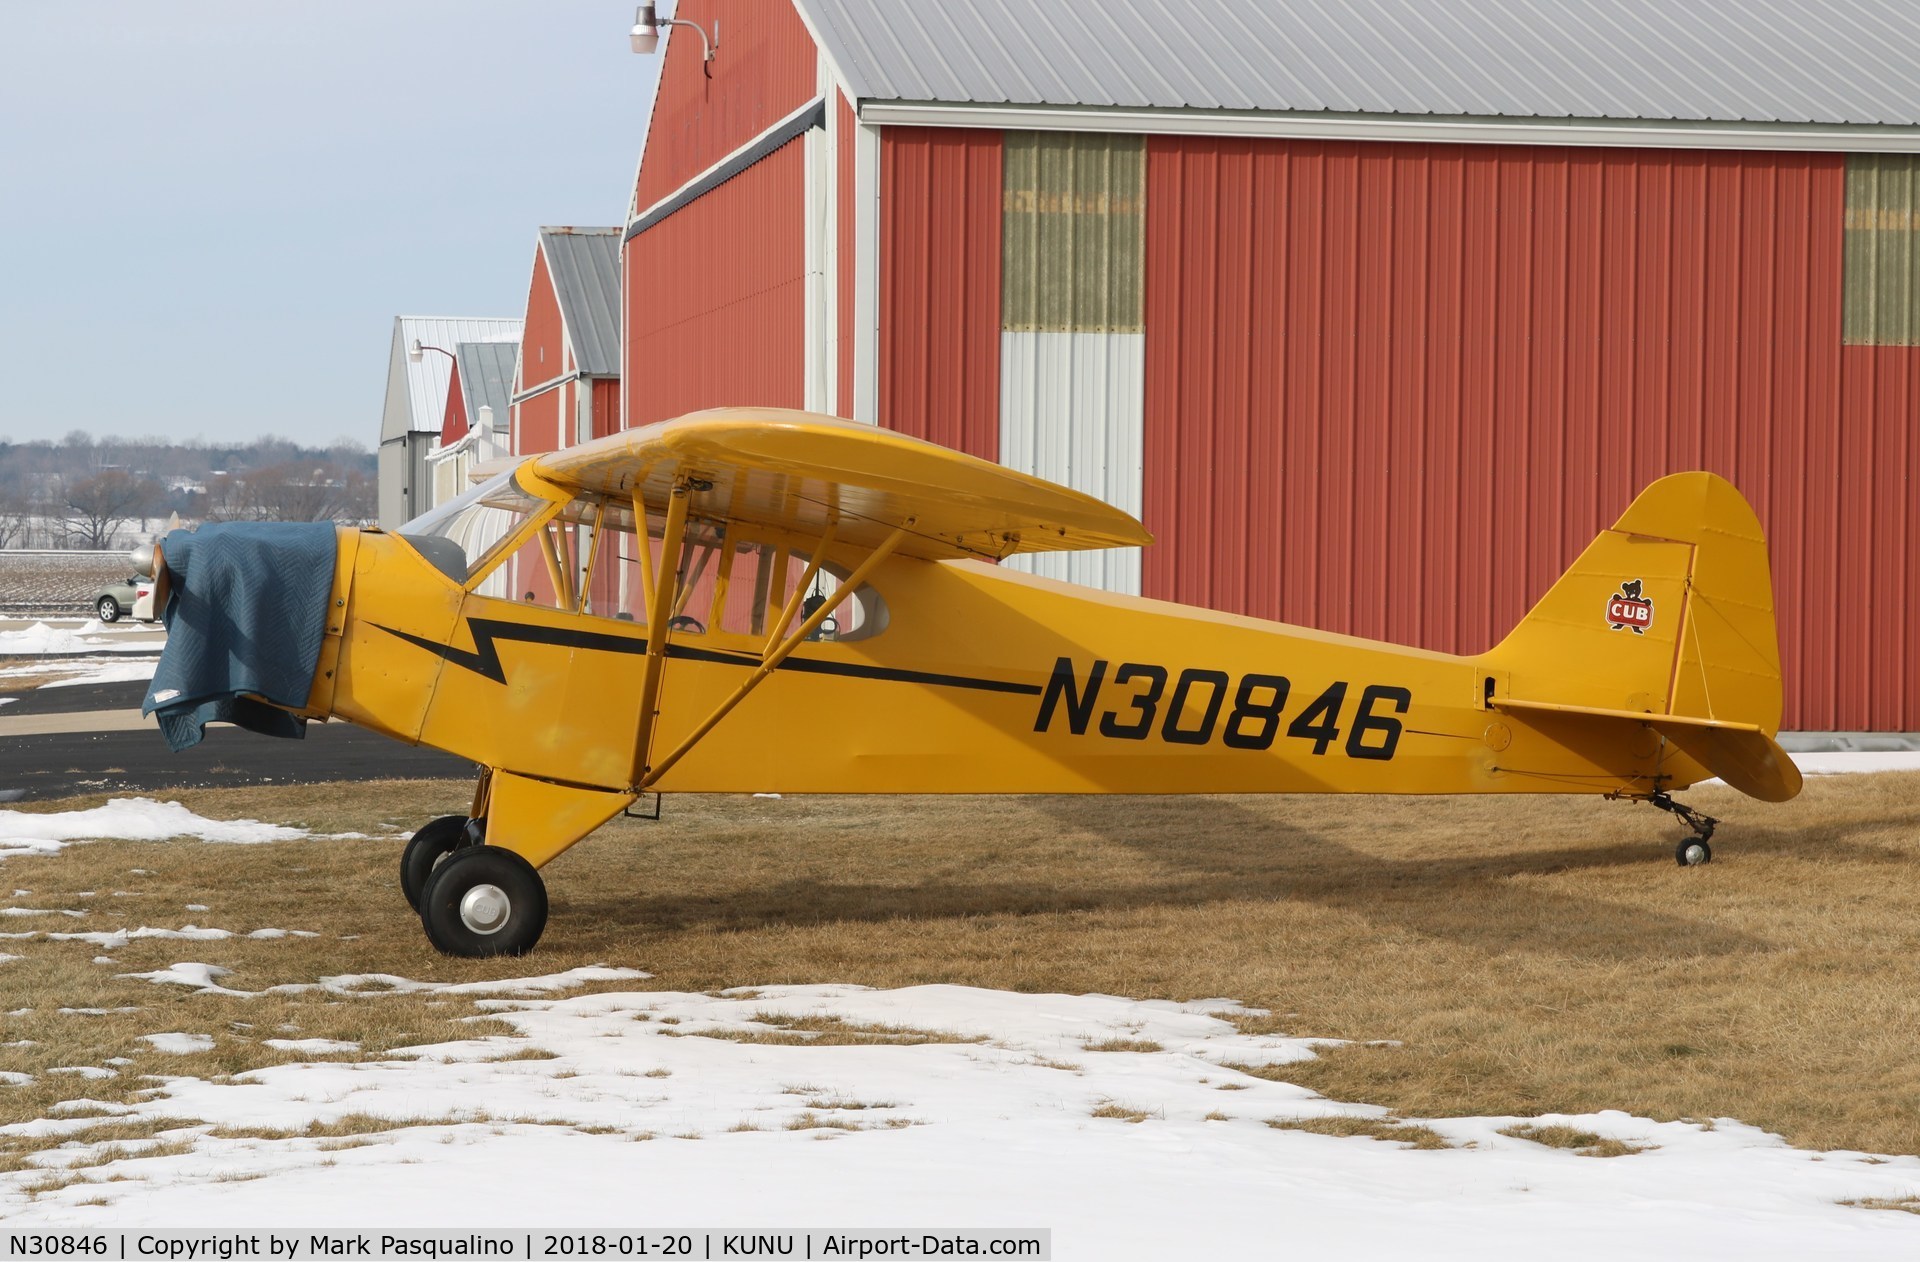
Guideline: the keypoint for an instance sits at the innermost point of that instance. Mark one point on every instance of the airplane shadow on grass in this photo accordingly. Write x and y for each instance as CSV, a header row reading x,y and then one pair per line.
x,y
1216,851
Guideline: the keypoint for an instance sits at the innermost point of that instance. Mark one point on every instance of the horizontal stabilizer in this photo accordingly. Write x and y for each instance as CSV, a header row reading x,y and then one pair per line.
x,y
1742,754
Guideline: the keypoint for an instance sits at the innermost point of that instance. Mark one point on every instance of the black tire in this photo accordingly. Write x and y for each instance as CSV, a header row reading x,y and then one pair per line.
x,y
108,609
425,849
1693,852
484,901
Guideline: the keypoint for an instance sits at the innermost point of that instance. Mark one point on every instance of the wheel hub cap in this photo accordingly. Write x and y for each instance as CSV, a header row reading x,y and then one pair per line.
x,y
485,908
1695,856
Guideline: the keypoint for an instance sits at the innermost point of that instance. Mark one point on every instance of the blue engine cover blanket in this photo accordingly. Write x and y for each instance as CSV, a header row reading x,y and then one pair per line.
x,y
245,619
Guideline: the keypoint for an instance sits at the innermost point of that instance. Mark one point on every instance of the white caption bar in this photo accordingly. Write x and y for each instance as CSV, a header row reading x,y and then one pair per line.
x,y
545,1245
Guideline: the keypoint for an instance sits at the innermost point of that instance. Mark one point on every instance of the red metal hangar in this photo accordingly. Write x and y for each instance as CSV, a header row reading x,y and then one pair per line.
x,y
1331,295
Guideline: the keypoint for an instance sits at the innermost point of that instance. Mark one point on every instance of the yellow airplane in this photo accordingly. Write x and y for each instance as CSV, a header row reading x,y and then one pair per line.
x,y
801,568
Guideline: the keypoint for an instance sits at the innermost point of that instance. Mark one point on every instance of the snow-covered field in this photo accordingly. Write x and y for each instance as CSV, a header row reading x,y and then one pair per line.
x,y
91,636
53,649
991,1109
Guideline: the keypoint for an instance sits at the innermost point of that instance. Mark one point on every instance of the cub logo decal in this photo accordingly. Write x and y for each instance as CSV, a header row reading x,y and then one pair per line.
x,y
1628,610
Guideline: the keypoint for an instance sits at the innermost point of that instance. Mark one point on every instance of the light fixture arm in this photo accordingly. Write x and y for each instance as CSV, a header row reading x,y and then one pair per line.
x,y
708,44
415,351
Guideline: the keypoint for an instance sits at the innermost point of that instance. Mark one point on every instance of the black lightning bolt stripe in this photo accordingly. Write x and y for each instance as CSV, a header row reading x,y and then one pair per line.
x,y
484,658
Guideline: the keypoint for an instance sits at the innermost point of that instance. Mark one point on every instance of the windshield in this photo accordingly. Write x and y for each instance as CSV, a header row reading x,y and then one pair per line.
x,y
462,535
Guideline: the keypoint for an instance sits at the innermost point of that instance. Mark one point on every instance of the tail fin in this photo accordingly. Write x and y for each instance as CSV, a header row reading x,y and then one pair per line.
x,y
1666,620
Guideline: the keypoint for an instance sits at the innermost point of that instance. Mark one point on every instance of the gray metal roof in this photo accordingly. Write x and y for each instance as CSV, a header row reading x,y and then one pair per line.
x,y
585,266
486,378
1765,61
417,392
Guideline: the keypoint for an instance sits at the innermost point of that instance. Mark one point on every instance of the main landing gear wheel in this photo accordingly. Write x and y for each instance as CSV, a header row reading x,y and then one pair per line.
x,y
1693,852
426,848
484,901
108,609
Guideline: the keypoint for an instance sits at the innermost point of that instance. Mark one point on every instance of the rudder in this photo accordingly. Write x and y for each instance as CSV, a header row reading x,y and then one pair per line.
x,y
1667,614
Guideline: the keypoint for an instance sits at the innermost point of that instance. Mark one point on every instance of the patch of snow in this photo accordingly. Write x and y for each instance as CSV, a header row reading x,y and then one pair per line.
x,y
999,1132
198,907
82,1012
128,819
91,1106
14,1078
312,1047
109,673
362,983
104,959
40,640
179,1044
8,700
5,958
202,977
85,1071
113,938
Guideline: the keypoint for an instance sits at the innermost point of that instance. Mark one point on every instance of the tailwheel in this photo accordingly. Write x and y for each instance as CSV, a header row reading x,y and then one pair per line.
x,y
483,901
425,849
1693,852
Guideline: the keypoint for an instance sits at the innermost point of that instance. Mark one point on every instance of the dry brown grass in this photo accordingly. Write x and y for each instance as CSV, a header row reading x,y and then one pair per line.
x,y
1367,1127
1123,1045
1530,956
1585,1143
1121,1112
1906,1205
782,1029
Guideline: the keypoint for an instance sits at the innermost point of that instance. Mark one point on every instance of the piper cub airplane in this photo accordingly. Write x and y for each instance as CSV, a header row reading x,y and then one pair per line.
x,y
672,609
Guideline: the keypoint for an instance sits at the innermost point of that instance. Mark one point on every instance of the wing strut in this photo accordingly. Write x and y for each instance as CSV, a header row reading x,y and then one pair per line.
x,y
777,649
659,613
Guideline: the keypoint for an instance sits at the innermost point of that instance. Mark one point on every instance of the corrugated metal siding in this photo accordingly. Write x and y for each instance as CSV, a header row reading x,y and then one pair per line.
x,y
536,424
1070,412
843,141
585,263
766,67
422,386
1882,302
606,406
1071,350
1393,390
940,286
716,298
486,373
1071,247
1831,61
543,350
453,425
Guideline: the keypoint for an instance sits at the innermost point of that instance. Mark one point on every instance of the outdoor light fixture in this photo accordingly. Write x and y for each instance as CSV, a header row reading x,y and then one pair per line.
x,y
645,35
416,350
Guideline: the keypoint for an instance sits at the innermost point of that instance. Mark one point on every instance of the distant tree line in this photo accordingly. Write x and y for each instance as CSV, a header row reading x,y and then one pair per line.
x,y
87,493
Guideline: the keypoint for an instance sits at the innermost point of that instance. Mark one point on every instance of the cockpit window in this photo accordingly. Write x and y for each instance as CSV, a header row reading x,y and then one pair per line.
x,y
463,536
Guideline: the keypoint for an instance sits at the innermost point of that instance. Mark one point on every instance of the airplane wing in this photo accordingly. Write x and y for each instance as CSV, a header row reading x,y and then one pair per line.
x,y
798,471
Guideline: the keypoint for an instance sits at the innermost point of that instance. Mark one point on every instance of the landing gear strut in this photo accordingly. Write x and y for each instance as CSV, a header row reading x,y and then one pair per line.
x,y
1692,851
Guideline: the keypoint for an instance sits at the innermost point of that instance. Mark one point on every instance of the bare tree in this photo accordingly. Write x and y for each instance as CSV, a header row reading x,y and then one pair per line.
x,y
100,504
16,518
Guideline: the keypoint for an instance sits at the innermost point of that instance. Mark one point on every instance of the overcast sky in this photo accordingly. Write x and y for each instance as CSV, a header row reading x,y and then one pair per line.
x,y
213,209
